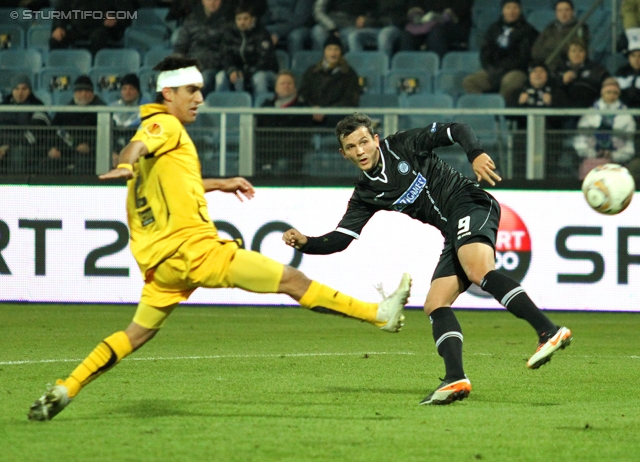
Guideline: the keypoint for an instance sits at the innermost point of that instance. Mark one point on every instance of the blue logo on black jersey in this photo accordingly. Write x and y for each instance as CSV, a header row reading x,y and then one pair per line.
x,y
403,167
411,194
434,127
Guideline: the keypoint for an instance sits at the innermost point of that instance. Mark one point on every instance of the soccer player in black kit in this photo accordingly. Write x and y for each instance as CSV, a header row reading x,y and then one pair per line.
x,y
402,173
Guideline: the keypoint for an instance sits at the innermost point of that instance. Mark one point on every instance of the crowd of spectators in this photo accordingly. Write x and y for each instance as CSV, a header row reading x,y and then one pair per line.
x,y
235,42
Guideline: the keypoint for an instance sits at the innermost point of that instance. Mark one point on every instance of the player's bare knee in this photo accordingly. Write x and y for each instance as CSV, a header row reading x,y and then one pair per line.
x,y
294,282
139,335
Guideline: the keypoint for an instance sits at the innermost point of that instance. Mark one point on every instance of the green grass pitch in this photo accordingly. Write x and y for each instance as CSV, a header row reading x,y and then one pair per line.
x,y
284,384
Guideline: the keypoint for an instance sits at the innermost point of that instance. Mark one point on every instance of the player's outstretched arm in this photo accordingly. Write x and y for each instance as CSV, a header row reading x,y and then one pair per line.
x,y
238,186
484,168
294,238
128,156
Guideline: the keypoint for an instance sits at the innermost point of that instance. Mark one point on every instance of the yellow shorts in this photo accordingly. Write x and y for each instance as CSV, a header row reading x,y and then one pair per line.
x,y
206,262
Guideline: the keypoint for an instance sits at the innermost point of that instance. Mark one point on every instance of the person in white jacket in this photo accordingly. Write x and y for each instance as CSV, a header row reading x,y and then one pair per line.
x,y
611,139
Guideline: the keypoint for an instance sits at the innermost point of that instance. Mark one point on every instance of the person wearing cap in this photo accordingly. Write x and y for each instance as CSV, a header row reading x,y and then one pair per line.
x,y
609,137
17,147
176,244
74,149
505,54
130,96
556,32
331,82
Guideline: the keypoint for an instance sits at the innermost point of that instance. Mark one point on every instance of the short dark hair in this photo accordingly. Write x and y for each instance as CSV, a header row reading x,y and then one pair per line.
x,y
244,8
171,63
351,123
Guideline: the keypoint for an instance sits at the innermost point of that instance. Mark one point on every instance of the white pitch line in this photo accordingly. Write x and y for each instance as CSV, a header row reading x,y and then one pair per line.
x,y
180,358
274,355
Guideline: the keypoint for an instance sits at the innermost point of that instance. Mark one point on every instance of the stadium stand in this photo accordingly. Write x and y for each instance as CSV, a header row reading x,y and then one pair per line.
x,y
412,60
11,37
467,61
126,58
79,58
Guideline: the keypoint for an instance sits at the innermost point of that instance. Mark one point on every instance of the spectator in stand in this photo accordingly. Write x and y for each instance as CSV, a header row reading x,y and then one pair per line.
x,y
556,32
74,151
629,75
288,22
130,96
386,33
73,29
200,37
249,62
17,147
610,137
439,26
288,145
539,92
330,83
339,18
580,79
505,54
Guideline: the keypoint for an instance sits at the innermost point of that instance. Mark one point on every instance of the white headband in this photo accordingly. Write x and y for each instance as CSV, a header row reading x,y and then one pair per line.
x,y
178,78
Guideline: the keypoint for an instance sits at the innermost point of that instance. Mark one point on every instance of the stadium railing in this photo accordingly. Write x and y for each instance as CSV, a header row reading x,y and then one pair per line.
x,y
530,153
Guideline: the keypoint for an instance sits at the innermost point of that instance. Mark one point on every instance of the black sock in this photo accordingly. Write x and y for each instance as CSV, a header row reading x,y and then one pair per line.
x,y
448,337
512,296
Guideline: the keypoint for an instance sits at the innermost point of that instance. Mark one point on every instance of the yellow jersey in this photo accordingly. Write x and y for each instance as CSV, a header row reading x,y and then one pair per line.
x,y
165,198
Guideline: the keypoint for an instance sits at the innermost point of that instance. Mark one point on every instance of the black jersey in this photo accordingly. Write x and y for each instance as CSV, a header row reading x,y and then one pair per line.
x,y
409,178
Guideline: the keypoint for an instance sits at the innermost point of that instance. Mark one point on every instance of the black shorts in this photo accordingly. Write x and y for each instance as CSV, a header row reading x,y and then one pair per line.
x,y
474,220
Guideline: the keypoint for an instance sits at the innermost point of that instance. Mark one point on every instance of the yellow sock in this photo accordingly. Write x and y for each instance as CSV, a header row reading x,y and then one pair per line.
x,y
319,296
106,355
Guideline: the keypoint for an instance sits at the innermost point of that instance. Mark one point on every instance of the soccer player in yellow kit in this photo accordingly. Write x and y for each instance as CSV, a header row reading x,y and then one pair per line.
x,y
177,246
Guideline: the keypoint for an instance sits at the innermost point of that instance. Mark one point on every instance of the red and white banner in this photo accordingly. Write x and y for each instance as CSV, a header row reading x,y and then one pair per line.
x,y
69,244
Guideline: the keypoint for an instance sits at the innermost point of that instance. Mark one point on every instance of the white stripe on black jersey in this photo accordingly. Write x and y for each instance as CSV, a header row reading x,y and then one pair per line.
x,y
410,178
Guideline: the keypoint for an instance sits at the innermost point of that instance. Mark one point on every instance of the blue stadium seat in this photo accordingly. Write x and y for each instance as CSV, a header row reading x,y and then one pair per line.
x,y
365,61
154,55
78,58
600,28
423,101
328,163
615,61
483,17
21,59
54,79
283,59
261,98
126,58
481,101
149,16
11,37
222,99
38,38
398,82
106,79
540,19
371,100
370,82
468,61
427,61
147,78
143,38
44,96
303,59
449,81
19,20
61,98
